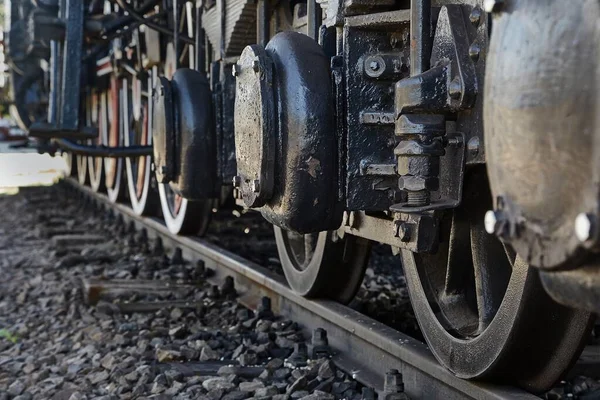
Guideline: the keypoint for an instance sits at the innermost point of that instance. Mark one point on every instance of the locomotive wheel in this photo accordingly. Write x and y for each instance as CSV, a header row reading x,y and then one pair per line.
x,y
137,121
483,311
71,164
82,167
184,217
112,135
323,264
95,167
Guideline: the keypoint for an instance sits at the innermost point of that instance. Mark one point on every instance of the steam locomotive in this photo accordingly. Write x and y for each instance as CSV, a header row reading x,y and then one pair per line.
x,y
461,133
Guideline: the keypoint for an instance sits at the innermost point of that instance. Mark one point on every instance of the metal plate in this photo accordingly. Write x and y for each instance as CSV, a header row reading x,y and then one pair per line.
x,y
255,126
163,132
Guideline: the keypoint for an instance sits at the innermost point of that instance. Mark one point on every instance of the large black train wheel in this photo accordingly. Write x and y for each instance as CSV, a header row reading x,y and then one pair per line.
x,y
483,311
137,120
323,265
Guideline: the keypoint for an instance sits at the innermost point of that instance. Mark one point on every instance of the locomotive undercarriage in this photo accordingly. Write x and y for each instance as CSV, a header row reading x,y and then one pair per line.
x,y
347,122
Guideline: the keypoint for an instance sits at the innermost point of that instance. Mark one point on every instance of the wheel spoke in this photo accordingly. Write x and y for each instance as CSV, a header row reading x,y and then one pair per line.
x,y
459,265
492,273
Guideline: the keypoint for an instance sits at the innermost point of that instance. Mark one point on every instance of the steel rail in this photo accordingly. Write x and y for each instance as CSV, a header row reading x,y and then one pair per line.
x,y
362,346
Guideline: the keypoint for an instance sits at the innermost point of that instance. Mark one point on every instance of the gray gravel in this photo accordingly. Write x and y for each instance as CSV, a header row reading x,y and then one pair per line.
x,y
54,346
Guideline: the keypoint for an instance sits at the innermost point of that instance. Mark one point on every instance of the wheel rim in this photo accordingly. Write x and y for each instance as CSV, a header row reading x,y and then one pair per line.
x,y
138,127
301,249
488,319
322,264
70,163
183,216
82,175
112,136
96,119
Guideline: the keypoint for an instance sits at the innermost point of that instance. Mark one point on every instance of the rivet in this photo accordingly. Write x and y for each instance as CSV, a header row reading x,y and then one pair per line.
x,y
490,220
474,51
473,146
493,6
475,16
455,89
584,226
256,186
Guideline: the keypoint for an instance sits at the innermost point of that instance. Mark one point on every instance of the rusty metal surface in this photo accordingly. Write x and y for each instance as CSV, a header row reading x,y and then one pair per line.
x,y
361,344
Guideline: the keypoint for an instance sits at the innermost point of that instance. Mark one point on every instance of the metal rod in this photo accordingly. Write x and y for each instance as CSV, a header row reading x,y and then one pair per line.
x,y
420,36
104,151
55,53
200,63
263,23
176,21
72,49
146,21
315,18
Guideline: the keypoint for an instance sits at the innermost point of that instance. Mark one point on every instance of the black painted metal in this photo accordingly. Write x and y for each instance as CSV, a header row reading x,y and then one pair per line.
x,y
183,135
103,151
292,172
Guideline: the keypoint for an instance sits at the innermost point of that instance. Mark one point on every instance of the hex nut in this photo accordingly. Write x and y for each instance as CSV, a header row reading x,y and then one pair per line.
x,y
417,183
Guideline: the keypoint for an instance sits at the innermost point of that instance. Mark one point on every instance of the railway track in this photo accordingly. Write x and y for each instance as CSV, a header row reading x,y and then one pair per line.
x,y
362,346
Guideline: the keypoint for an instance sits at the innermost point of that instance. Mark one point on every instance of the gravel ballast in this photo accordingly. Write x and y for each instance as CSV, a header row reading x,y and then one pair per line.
x,y
55,346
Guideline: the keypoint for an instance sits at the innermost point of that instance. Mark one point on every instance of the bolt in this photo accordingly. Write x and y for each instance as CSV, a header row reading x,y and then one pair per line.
x,y
497,222
177,258
228,287
235,70
473,146
475,16
490,220
584,227
299,356
493,6
319,337
393,382
320,344
455,88
474,51
374,66
265,304
456,141
368,393
402,231
256,186
237,181
255,65
263,311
